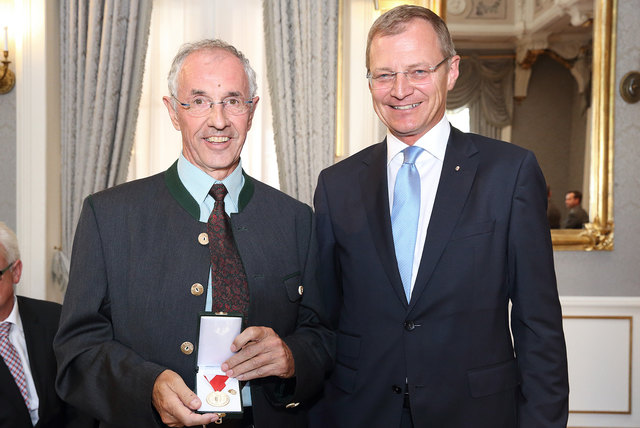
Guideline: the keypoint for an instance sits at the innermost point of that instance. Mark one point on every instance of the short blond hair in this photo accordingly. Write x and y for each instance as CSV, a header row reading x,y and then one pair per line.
x,y
395,22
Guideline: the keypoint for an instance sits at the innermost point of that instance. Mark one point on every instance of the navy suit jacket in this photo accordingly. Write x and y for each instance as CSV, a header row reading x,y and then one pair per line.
x,y
130,304
40,322
488,244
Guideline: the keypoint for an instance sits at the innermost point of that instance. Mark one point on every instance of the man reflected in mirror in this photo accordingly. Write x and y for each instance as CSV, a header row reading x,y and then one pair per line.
x,y
577,216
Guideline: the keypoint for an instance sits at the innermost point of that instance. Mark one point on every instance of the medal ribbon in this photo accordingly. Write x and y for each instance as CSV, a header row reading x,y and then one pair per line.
x,y
218,382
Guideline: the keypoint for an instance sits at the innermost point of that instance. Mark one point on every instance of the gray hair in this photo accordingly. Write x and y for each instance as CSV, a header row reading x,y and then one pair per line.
x,y
208,44
395,22
8,244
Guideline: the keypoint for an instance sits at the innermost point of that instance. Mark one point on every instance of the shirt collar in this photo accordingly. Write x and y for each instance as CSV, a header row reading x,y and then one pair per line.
x,y
198,183
434,141
14,316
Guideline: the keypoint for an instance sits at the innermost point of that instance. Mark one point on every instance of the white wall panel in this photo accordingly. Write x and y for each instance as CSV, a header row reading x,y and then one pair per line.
x,y
603,350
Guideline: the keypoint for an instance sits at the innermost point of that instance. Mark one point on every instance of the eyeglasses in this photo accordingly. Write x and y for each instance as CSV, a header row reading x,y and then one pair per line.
x,y
6,269
201,106
386,79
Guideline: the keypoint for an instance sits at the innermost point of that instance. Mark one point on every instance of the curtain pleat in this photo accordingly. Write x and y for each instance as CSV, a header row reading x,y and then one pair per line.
x,y
486,87
103,45
301,48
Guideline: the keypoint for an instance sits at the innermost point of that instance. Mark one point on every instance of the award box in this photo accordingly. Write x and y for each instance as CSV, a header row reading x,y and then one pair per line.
x,y
218,393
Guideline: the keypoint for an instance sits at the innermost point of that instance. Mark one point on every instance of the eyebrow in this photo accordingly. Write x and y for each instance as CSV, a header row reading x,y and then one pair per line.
x,y
203,92
409,67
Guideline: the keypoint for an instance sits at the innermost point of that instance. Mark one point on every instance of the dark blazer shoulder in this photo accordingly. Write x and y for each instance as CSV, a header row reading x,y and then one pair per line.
x,y
364,156
143,189
485,145
39,309
270,196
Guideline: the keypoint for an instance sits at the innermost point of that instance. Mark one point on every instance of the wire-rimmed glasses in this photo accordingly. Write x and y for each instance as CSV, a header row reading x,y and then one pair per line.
x,y
201,106
6,269
417,76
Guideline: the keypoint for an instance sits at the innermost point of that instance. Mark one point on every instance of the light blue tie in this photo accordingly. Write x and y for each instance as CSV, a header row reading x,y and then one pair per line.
x,y
405,214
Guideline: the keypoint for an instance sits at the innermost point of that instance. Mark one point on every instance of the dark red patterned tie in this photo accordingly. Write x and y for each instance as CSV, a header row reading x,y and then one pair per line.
x,y
228,279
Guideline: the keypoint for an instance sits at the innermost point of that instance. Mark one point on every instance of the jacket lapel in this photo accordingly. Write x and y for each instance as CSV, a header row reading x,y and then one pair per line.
x,y
375,196
458,173
35,343
9,392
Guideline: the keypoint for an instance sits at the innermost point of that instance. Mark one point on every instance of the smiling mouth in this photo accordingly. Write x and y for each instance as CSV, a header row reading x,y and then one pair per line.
x,y
407,107
217,139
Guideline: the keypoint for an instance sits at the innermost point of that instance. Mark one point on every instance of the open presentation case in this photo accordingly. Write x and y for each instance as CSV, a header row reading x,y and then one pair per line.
x,y
217,392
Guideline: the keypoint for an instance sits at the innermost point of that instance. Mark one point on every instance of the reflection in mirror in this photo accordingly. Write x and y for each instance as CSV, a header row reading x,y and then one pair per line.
x,y
538,73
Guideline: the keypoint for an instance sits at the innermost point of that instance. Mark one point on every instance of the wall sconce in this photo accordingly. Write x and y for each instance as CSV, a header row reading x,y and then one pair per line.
x,y
630,87
7,78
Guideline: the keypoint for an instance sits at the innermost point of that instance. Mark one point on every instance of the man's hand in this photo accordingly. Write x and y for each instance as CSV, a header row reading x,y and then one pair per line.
x,y
261,353
175,402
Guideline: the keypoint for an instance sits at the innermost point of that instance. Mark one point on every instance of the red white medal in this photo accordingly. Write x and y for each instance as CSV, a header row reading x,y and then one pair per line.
x,y
217,398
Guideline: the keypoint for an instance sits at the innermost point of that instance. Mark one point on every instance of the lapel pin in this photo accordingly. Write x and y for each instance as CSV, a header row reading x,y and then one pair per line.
x,y
457,167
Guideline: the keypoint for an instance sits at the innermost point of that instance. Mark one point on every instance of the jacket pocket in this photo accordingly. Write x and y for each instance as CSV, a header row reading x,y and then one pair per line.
x,y
293,286
348,346
344,378
468,230
493,379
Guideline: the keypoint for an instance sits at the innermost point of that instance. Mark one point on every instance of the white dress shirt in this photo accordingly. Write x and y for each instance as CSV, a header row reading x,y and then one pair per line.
x,y
429,165
16,337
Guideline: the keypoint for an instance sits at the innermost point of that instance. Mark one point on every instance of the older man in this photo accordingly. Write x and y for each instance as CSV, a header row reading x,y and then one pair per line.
x,y
425,239
27,326
150,255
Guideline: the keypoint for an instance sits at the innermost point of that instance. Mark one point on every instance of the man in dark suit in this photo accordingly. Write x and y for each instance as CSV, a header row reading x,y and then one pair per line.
x,y
577,216
422,317
32,324
141,271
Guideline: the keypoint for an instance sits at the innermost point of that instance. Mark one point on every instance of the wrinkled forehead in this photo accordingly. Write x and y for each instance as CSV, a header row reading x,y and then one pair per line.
x,y
213,72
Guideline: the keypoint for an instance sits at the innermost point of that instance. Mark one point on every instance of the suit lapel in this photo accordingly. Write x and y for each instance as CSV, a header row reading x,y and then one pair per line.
x,y
35,342
375,195
458,173
37,335
9,390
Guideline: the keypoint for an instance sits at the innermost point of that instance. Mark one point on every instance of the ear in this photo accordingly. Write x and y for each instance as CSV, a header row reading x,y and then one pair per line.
x,y
454,72
16,271
168,102
253,109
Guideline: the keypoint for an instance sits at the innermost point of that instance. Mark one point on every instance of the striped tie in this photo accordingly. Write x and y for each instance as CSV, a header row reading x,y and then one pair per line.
x,y
12,360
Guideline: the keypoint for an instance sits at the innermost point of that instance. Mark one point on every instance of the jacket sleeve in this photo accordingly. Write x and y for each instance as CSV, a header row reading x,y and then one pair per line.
x,y
536,318
312,343
96,373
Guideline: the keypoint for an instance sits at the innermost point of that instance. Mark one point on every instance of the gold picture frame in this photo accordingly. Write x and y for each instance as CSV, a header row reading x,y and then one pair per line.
x,y
598,235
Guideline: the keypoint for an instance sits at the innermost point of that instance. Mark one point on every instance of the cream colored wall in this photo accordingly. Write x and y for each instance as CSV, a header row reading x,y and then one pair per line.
x,y
8,134
37,143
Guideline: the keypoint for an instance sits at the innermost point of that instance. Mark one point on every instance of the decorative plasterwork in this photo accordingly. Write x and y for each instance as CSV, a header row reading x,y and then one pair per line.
x,y
561,28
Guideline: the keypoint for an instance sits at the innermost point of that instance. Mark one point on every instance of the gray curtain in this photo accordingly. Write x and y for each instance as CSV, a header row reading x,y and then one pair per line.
x,y
485,85
301,38
103,45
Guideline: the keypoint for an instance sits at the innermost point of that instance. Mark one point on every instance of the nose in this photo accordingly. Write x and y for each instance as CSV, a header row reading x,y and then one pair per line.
x,y
401,86
217,118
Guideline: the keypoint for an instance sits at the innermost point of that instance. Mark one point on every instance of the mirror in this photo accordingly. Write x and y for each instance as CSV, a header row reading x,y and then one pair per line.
x,y
598,172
